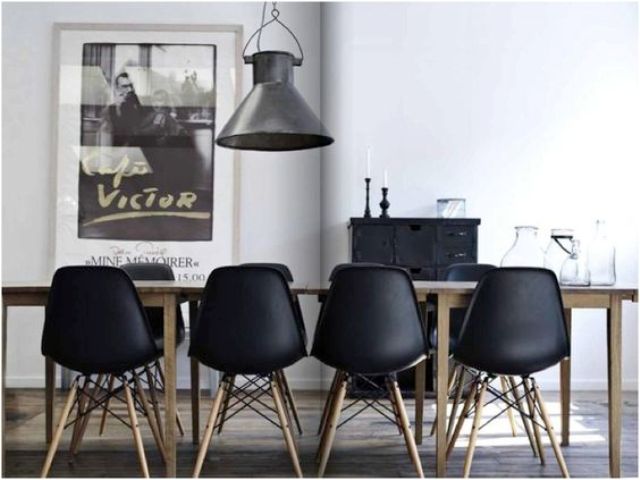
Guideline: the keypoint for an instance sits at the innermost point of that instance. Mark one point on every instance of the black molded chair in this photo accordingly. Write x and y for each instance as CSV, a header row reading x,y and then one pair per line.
x,y
458,272
96,325
288,399
247,327
370,325
155,378
514,327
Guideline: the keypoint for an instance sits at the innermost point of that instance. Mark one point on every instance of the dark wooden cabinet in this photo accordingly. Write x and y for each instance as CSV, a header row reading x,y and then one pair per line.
x,y
425,247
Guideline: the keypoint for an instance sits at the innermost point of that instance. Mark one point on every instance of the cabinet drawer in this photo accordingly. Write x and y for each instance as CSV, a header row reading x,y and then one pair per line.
x,y
373,243
449,234
415,245
448,254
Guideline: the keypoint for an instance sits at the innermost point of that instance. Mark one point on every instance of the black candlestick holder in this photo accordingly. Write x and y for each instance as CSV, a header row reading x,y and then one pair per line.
x,y
367,210
384,203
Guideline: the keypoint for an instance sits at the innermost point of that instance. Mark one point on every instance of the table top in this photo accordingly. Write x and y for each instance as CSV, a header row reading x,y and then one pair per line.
x,y
627,291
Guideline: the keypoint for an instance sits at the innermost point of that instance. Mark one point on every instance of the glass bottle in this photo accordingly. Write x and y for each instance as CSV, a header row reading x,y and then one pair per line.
x,y
602,257
525,251
574,270
558,249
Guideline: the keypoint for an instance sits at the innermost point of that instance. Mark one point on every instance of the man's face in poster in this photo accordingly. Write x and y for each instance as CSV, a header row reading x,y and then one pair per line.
x,y
124,90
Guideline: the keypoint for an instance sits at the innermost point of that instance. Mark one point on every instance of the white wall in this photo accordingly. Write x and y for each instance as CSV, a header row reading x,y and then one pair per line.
x,y
529,111
280,203
526,110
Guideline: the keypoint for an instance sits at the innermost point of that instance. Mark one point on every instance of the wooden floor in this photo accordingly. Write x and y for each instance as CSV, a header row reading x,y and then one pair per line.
x,y
369,446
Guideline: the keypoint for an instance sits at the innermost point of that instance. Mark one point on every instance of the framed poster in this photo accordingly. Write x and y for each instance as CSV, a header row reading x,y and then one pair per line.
x,y
139,178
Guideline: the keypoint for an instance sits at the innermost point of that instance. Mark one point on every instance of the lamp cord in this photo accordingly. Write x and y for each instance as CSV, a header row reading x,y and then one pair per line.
x,y
275,13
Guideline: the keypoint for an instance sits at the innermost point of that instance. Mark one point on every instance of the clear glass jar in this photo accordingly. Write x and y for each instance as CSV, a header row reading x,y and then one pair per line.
x,y
602,257
558,249
525,251
574,270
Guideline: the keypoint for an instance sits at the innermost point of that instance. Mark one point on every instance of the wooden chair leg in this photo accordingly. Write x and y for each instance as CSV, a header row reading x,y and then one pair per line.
x,y
394,406
84,421
452,378
332,425
330,401
525,420
456,402
278,379
135,428
105,408
286,427
463,416
81,408
55,441
549,428
474,429
225,405
288,396
406,429
505,389
532,411
208,431
154,401
327,404
148,411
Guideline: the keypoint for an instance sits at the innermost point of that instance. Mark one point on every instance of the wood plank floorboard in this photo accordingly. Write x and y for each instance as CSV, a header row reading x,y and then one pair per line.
x,y
367,446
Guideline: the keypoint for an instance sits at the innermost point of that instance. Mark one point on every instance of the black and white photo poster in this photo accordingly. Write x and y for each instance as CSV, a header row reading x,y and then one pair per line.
x,y
139,177
148,117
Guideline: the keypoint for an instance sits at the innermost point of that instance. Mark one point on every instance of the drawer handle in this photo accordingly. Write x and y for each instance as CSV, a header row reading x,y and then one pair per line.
x,y
457,234
457,255
415,228
415,270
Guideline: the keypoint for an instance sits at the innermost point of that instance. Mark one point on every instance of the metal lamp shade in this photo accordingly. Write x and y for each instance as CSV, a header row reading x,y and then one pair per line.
x,y
274,116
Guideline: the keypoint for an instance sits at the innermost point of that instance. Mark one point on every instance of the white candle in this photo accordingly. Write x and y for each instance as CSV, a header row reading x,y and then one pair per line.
x,y
368,162
385,182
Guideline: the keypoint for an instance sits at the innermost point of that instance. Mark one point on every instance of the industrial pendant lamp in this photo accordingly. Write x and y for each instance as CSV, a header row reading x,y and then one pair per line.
x,y
274,116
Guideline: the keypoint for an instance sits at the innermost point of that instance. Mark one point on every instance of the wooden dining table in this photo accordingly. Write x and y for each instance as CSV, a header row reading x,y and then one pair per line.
x,y
445,295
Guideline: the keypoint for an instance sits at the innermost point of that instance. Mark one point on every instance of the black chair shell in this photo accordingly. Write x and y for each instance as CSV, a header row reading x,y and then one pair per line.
x,y
458,272
157,271
247,322
281,267
342,266
514,324
95,322
370,322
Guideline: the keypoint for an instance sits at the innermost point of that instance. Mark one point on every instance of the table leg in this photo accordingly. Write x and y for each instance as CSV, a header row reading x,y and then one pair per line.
x,y
442,359
420,376
195,382
565,387
4,377
49,393
614,344
169,308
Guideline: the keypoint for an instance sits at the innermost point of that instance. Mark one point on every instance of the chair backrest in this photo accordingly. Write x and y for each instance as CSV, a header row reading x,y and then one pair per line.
x,y
153,272
247,322
458,272
281,267
515,323
370,322
466,272
341,266
94,321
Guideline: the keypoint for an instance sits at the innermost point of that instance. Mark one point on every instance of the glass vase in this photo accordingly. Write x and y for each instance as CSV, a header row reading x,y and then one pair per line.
x,y
558,249
602,257
574,270
525,251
